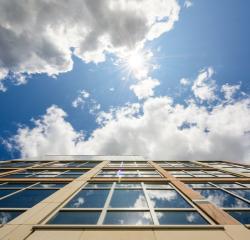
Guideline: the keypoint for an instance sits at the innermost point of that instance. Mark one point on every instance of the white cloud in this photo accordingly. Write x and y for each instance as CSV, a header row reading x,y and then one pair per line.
x,y
229,91
80,99
185,82
204,86
3,75
157,129
41,36
144,88
188,4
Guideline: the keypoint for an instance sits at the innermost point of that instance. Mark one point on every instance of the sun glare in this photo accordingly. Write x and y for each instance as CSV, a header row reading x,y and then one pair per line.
x,y
136,63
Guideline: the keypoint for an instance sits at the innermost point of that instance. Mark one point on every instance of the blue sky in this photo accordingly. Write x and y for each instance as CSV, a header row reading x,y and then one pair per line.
x,y
207,35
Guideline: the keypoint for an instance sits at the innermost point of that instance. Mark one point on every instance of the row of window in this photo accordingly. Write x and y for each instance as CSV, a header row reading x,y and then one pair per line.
x,y
128,204
16,198
128,173
46,174
71,164
200,174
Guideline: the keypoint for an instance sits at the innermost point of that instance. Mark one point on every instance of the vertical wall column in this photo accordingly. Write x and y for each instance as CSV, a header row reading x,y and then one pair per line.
x,y
214,212
21,227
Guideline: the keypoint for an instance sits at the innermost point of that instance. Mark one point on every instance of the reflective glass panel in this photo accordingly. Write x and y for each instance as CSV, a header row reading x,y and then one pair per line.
x,y
25,199
98,185
128,218
76,217
5,192
16,185
199,185
155,185
167,199
245,193
223,199
229,185
176,218
128,199
128,185
49,185
241,216
89,199
6,216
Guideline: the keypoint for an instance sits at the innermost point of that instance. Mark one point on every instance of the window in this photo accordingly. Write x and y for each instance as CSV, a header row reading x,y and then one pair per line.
x,y
223,199
241,216
128,199
245,193
25,199
167,199
128,203
180,217
88,199
128,218
6,216
75,217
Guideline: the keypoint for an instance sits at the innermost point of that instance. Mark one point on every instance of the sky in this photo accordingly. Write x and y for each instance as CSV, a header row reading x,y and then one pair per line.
x,y
165,79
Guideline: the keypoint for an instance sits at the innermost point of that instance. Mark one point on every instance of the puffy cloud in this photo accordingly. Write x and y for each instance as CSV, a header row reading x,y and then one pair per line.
x,y
204,86
229,91
41,36
80,99
3,75
144,88
185,82
188,4
157,128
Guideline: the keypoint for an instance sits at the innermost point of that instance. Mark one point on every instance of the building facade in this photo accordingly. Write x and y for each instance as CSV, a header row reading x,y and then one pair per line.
x,y
123,197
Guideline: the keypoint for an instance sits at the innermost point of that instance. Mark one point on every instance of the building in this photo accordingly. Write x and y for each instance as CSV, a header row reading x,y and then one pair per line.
x,y
123,197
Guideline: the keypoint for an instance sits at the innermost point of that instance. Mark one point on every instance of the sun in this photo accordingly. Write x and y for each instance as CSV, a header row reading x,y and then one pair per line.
x,y
136,63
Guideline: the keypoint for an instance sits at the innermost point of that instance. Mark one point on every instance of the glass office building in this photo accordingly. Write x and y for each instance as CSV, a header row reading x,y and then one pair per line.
x,y
123,197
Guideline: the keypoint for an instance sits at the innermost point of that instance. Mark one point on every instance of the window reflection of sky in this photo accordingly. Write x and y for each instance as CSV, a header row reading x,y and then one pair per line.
x,y
128,199
243,193
223,199
88,199
6,216
128,218
167,217
167,199
241,216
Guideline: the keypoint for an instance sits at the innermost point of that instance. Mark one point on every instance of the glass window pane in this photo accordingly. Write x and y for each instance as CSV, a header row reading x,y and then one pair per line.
x,y
128,185
69,175
25,199
198,185
176,218
167,199
223,199
6,216
15,185
89,199
229,185
155,185
128,218
128,199
245,193
247,184
98,185
76,217
49,185
5,192
241,216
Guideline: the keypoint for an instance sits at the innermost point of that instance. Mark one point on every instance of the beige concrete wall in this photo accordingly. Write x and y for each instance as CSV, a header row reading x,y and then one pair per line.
x,y
230,233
